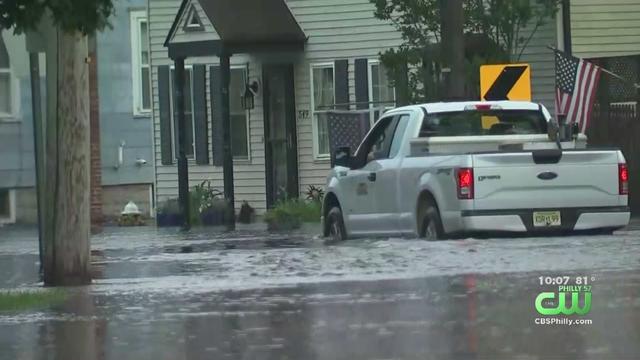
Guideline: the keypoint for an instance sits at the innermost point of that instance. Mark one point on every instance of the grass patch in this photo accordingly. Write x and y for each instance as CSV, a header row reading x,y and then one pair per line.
x,y
27,300
290,214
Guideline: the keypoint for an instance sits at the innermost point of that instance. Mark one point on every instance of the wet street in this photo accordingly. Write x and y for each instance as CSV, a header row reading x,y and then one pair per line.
x,y
162,294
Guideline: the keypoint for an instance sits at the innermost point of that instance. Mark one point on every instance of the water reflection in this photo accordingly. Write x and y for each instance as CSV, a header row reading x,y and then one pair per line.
x,y
458,317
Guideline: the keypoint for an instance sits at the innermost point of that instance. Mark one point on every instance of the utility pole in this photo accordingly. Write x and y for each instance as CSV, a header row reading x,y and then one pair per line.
x,y
67,205
452,47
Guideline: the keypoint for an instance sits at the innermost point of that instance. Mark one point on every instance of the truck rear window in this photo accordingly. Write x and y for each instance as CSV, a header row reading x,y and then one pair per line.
x,y
489,122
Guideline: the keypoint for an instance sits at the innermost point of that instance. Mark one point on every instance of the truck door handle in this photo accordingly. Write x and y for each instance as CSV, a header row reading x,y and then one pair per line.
x,y
372,176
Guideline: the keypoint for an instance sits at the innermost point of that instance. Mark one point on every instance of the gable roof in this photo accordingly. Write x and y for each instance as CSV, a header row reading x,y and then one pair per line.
x,y
240,22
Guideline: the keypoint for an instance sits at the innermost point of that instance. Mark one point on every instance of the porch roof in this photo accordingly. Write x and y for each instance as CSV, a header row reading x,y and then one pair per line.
x,y
242,26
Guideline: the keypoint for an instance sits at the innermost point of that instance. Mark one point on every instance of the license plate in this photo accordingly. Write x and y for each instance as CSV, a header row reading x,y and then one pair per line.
x,y
546,218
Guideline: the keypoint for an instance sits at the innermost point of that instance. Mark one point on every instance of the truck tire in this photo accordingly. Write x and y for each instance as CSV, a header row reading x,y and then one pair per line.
x,y
431,228
335,224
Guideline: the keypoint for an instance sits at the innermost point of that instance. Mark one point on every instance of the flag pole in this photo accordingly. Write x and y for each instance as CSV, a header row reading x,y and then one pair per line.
x,y
635,85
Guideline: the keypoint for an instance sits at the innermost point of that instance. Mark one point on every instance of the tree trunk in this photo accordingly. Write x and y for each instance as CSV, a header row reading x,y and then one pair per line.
x,y
67,228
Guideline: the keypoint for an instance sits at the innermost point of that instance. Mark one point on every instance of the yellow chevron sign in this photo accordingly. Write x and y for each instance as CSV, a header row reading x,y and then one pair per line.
x,y
505,82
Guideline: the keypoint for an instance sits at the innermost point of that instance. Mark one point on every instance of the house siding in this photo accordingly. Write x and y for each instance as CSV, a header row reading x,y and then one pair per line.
x,y
336,29
17,168
249,175
117,121
118,124
605,28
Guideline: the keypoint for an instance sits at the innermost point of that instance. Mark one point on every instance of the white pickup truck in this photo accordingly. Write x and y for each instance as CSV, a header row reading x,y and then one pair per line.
x,y
446,169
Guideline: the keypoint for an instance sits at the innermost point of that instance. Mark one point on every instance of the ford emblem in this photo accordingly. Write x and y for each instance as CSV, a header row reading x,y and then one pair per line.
x,y
547,175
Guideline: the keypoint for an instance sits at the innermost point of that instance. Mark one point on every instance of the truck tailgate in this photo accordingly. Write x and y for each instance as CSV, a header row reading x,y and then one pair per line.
x,y
586,178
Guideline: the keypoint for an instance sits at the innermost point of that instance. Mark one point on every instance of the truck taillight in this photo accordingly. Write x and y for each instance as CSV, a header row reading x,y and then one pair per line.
x,y
464,177
623,179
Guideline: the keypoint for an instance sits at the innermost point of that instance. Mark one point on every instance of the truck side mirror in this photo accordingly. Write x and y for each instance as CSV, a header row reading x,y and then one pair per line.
x,y
342,157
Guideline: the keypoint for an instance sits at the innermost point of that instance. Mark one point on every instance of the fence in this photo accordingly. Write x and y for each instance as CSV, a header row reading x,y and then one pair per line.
x,y
619,125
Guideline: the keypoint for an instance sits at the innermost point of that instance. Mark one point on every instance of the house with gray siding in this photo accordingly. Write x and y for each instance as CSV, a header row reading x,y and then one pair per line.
x,y
280,146
127,169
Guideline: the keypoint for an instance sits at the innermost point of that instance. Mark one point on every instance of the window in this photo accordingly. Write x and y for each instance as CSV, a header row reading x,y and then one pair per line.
x,y
322,100
403,122
188,112
381,93
7,206
491,122
193,22
140,62
239,116
5,80
377,144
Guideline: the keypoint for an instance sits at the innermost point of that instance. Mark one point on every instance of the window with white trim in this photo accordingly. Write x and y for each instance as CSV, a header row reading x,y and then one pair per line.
x,y
239,116
188,112
6,93
7,206
140,59
322,100
381,94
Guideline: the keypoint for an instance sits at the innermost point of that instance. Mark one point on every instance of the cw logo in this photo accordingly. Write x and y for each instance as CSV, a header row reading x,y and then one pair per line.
x,y
562,307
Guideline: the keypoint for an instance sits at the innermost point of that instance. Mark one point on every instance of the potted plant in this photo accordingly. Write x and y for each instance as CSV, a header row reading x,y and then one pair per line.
x,y
211,208
213,213
169,214
247,213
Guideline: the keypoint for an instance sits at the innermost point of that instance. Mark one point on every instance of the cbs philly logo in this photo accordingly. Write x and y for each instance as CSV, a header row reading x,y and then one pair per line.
x,y
550,303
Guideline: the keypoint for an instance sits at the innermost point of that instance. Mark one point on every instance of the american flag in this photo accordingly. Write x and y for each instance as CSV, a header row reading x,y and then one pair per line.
x,y
576,85
347,128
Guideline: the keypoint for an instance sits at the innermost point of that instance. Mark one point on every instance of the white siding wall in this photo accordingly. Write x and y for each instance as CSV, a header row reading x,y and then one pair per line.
x,y
605,28
542,61
337,29
248,174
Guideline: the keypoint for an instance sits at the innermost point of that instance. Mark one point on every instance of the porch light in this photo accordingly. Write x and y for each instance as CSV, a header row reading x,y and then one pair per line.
x,y
248,102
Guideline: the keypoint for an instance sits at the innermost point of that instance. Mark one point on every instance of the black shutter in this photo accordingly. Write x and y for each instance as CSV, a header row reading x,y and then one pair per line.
x,y
342,84
217,138
200,114
362,84
402,84
164,98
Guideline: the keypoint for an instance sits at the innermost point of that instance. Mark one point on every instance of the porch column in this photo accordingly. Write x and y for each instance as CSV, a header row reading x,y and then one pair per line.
x,y
227,163
183,170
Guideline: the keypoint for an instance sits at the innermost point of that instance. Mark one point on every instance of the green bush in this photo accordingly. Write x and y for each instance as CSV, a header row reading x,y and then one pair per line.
x,y
290,214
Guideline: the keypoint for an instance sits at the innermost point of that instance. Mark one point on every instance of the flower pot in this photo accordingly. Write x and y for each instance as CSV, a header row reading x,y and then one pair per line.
x,y
169,219
212,217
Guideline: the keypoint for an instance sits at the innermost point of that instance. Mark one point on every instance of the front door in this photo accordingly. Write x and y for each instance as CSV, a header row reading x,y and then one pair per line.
x,y
281,155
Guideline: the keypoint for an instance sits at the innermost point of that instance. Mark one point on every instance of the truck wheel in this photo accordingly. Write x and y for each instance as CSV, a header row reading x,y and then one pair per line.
x,y
337,232
431,228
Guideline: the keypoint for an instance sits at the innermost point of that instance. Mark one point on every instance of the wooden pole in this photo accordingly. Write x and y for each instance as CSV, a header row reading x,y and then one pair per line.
x,y
67,209
225,77
183,169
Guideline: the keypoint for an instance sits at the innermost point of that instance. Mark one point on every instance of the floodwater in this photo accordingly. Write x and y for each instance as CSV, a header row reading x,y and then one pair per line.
x,y
162,294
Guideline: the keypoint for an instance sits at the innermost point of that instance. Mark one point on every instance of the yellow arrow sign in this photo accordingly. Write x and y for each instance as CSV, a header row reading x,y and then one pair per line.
x,y
505,82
